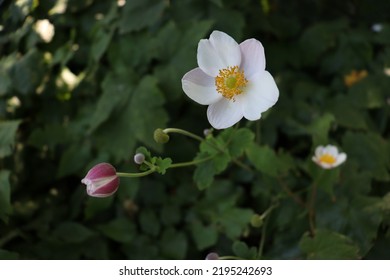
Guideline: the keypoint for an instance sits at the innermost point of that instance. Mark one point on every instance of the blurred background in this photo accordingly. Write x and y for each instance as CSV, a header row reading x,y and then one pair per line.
x,y
88,81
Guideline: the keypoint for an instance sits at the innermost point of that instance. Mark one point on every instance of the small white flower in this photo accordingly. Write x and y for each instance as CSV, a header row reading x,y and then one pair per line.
x,y
231,79
45,30
377,27
328,157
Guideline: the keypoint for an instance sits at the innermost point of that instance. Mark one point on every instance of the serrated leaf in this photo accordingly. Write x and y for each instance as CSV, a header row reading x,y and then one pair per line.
x,y
205,172
204,236
266,160
7,136
234,221
173,244
5,195
241,250
163,164
236,140
328,245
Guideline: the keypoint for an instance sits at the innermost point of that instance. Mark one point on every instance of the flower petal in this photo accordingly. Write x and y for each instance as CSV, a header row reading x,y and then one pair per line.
x,y
340,159
261,94
331,150
200,87
224,113
218,52
252,57
319,151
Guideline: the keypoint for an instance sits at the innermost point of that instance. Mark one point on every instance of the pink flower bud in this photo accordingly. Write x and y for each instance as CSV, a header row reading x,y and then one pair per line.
x,y
101,180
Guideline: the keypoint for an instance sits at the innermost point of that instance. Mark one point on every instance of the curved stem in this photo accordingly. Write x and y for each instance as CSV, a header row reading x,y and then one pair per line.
x,y
183,132
189,163
135,175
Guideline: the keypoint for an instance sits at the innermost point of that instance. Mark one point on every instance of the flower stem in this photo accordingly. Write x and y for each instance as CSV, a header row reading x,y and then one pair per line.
x,y
183,132
311,205
264,228
285,187
135,175
189,163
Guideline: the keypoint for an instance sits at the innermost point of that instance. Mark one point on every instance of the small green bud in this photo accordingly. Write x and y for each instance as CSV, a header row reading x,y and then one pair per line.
x,y
257,221
160,136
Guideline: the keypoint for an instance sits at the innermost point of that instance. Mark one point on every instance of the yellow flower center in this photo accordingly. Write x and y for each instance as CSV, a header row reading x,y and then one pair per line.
x,y
327,158
230,82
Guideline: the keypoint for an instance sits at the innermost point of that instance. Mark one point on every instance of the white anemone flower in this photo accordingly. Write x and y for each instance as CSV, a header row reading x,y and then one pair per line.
x,y
328,157
231,79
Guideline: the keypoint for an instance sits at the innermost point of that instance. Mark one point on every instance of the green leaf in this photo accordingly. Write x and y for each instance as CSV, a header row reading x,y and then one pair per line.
x,y
147,112
28,72
96,205
116,91
205,172
320,128
5,195
328,245
72,232
163,164
121,230
320,37
348,116
370,151
173,244
7,136
5,80
204,236
73,159
241,250
234,221
237,140
137,120
138,14
267,161
149,222
7,255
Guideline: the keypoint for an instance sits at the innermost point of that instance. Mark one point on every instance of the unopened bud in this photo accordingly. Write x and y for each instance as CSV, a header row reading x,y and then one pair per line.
x,y
212,256
257,221
101,180
139,158
160,136
207,131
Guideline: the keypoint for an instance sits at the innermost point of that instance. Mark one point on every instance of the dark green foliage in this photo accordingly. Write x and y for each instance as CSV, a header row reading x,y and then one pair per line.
x,y
111,76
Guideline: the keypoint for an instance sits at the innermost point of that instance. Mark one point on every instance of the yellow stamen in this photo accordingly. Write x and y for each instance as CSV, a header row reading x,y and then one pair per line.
x,y
327,158
230,82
